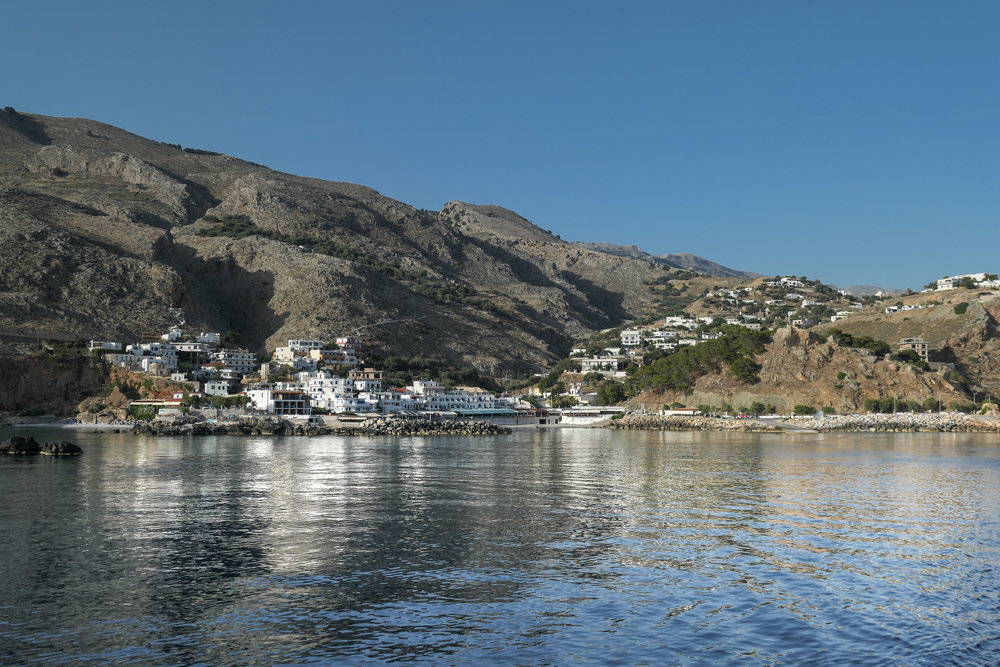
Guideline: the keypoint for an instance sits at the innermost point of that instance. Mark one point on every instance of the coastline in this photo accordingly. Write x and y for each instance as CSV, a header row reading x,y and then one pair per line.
x,y
859,423
868,423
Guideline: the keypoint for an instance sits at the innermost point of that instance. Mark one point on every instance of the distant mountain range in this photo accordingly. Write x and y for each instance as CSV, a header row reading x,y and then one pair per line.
x,y
682,260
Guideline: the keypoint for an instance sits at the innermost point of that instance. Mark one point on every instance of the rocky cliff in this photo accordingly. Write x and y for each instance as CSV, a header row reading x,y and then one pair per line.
x,y
801,368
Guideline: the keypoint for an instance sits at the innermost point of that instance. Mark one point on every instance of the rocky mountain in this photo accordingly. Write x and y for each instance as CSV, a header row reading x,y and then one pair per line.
x,y
684,260
105,234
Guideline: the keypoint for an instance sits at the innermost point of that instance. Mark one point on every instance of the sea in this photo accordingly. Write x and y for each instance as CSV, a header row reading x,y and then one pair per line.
x,y
543,547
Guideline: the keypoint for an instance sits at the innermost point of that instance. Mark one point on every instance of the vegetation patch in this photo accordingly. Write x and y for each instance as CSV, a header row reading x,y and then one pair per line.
x,y
679,371
877,347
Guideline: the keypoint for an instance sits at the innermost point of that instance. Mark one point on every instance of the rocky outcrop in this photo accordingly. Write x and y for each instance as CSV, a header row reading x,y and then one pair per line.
x,y
61,449
673,423
427,427
21,446
940,422
799,367
884,423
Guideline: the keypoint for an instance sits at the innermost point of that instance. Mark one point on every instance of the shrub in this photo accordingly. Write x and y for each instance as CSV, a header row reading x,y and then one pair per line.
x,y
960,308
804,410
829,410
876,347
142,412
841,375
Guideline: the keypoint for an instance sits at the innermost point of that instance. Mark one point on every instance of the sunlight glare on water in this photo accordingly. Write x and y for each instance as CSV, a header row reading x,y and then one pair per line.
x,y
537,547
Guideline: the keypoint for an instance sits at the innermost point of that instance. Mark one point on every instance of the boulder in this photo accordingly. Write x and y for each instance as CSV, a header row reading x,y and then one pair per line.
x,y
61,449
20,446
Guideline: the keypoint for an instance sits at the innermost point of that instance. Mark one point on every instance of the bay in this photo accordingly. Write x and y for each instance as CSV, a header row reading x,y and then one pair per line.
x,y
540,547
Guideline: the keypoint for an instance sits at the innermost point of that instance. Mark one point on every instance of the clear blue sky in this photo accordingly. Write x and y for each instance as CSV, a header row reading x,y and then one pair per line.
x,y
854,142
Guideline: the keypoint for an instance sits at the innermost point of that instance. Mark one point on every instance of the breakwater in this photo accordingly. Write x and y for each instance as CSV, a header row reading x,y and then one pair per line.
x,y
943,422
886,423
675,423
267,425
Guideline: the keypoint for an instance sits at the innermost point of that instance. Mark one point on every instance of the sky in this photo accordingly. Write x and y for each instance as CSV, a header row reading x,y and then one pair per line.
x,y
857,142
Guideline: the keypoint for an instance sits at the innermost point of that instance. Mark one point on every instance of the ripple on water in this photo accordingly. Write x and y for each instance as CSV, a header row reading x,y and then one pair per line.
x,y
541,547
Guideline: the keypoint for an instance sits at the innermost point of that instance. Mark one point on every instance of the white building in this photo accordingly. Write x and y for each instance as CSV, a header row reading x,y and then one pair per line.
x,y
352,343
210,338
679,322
192,348
241,361
438,399
303,344
126,360
631,337
217,388
367,379
599,364
104,345
288,402
951,282
174,333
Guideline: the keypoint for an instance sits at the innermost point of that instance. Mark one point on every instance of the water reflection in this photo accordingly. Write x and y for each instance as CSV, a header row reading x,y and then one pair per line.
x,y
545,546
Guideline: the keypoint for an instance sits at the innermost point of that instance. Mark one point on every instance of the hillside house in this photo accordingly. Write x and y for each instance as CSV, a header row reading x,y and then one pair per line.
x,y
109,346
918,345
601,364
631,337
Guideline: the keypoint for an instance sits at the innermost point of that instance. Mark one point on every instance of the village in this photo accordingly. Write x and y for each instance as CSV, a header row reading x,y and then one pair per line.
x,y
317,381
304,380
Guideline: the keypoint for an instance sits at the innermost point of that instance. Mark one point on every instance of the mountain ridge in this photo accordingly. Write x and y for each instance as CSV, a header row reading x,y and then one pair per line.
x,y
683,260
106,231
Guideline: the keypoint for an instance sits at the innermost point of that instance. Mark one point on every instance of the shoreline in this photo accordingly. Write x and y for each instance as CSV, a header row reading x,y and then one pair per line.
x,y
859,423
867,423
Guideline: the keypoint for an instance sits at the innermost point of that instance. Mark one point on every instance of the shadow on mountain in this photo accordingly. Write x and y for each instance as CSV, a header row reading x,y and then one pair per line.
x,y
227,296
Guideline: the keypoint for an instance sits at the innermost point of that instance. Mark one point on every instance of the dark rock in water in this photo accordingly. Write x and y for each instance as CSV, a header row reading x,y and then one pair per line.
x,y
20,446
61,449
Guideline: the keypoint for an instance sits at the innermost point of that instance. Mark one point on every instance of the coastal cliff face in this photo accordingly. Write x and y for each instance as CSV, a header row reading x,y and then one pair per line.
x,y
42,385
798,369
103,232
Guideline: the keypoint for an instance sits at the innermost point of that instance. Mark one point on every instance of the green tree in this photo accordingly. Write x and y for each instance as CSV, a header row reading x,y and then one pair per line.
x,y
804,410
611,393
564,401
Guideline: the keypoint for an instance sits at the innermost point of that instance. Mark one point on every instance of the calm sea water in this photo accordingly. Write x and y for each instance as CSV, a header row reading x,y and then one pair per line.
x,y
542,547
